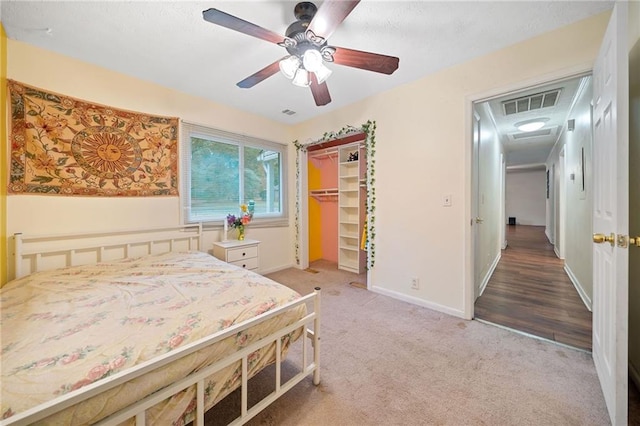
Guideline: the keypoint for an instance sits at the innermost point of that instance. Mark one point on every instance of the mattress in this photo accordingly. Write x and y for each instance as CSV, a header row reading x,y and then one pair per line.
x,y
67,328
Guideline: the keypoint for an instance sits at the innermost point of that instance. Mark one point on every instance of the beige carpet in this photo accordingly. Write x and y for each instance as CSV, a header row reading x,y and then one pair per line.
x,y
386,362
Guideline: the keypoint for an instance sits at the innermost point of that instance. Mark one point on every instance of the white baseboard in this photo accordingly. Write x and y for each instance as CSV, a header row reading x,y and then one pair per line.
x,y
576,283
487,277
555,250
634,374
416,301
277,268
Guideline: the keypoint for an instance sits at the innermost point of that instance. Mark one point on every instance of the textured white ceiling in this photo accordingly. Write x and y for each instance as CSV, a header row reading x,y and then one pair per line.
x,y
169,43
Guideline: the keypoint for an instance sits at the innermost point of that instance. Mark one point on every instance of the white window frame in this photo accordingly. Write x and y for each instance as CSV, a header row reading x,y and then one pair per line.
x,y
260,219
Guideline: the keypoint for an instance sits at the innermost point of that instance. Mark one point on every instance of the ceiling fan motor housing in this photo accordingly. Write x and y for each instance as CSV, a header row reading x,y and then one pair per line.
x,y
304,12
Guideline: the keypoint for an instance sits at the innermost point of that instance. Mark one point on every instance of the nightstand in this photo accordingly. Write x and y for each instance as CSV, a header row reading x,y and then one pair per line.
x,y
240,253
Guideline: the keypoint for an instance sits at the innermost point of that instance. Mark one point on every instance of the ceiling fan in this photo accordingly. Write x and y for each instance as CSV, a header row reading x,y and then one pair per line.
x,y
306,42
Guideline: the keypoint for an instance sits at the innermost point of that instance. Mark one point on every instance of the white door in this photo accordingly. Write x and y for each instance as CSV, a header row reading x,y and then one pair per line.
x,y
610,215
560,196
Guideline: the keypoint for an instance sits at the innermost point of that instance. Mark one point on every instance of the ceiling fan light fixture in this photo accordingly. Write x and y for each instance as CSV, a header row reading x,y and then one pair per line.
x,y
327,53
306,40
289,66
301,78
312,60
322,74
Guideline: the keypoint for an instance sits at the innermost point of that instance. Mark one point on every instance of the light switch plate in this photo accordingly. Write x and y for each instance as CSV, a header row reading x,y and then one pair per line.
x,y
446,200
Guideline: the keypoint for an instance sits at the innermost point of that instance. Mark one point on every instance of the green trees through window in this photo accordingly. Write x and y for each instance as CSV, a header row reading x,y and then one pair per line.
x,y
222,174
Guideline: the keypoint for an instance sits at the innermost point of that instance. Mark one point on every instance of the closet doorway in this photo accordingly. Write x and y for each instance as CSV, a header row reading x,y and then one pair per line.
x,y
336,206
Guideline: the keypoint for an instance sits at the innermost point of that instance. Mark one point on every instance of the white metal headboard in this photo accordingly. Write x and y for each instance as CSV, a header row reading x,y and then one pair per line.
x,y
30,252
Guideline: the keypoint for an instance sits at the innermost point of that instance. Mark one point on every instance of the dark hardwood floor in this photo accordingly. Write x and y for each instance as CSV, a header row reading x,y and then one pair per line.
x,y
530,292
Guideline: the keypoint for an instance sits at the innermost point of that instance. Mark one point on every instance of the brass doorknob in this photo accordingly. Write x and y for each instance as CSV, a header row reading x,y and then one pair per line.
x,y
624,241
601,238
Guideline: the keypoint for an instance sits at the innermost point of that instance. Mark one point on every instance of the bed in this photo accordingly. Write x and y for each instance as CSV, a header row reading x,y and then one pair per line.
x,y
142,328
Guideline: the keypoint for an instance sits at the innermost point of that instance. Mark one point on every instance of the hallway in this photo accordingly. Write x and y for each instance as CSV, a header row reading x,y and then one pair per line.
x,y
530,292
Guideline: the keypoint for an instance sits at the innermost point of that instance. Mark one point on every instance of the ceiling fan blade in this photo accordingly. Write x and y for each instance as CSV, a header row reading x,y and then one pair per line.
x,y
330,14
366,60
320,91
261,75
218,17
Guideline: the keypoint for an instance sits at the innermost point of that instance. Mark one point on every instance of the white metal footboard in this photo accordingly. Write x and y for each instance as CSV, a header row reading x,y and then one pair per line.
x,y
310,324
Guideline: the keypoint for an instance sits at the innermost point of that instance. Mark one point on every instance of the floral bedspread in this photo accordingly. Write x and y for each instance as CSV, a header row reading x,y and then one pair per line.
x,y
65,329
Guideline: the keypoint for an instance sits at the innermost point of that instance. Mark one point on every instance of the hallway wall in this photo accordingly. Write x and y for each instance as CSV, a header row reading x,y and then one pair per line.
x,y
578,248
525,196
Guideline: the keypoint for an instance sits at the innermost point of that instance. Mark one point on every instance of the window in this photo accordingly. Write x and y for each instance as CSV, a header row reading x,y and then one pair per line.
x,y
221,170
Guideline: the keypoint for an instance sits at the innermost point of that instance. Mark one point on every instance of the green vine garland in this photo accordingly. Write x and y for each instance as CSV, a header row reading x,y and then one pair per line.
x,y
299,147
369,129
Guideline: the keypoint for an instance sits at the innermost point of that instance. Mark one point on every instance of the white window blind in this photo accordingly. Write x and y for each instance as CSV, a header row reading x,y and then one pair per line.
x,y
222,170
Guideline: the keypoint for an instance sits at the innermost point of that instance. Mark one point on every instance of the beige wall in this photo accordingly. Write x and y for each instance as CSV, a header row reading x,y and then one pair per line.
x,y
38,214
423,152
526,196
3,156
634,189
578,247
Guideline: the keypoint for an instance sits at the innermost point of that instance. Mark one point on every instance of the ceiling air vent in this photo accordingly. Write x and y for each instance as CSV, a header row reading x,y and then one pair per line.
x,y
288,112
532,102
536,133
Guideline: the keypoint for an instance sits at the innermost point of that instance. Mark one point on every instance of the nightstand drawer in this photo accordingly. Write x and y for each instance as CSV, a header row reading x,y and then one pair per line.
x,y
251,263
241,253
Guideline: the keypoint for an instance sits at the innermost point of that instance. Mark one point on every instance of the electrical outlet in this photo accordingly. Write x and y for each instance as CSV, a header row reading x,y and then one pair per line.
x,y
415,284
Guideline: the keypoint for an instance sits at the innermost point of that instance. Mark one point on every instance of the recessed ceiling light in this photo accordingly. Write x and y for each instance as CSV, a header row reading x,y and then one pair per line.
x,y
531,125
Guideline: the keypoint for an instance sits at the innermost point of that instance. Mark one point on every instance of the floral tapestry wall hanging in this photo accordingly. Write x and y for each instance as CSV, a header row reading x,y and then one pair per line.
x,y
66,146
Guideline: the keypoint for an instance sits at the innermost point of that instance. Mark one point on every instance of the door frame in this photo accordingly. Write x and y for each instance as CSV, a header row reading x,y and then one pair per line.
x,y
475,203
502,236
469,252
301,208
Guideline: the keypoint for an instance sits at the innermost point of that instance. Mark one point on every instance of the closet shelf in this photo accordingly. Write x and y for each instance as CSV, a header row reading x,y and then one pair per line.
x,y
320,157
329,194
353,236
328,153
